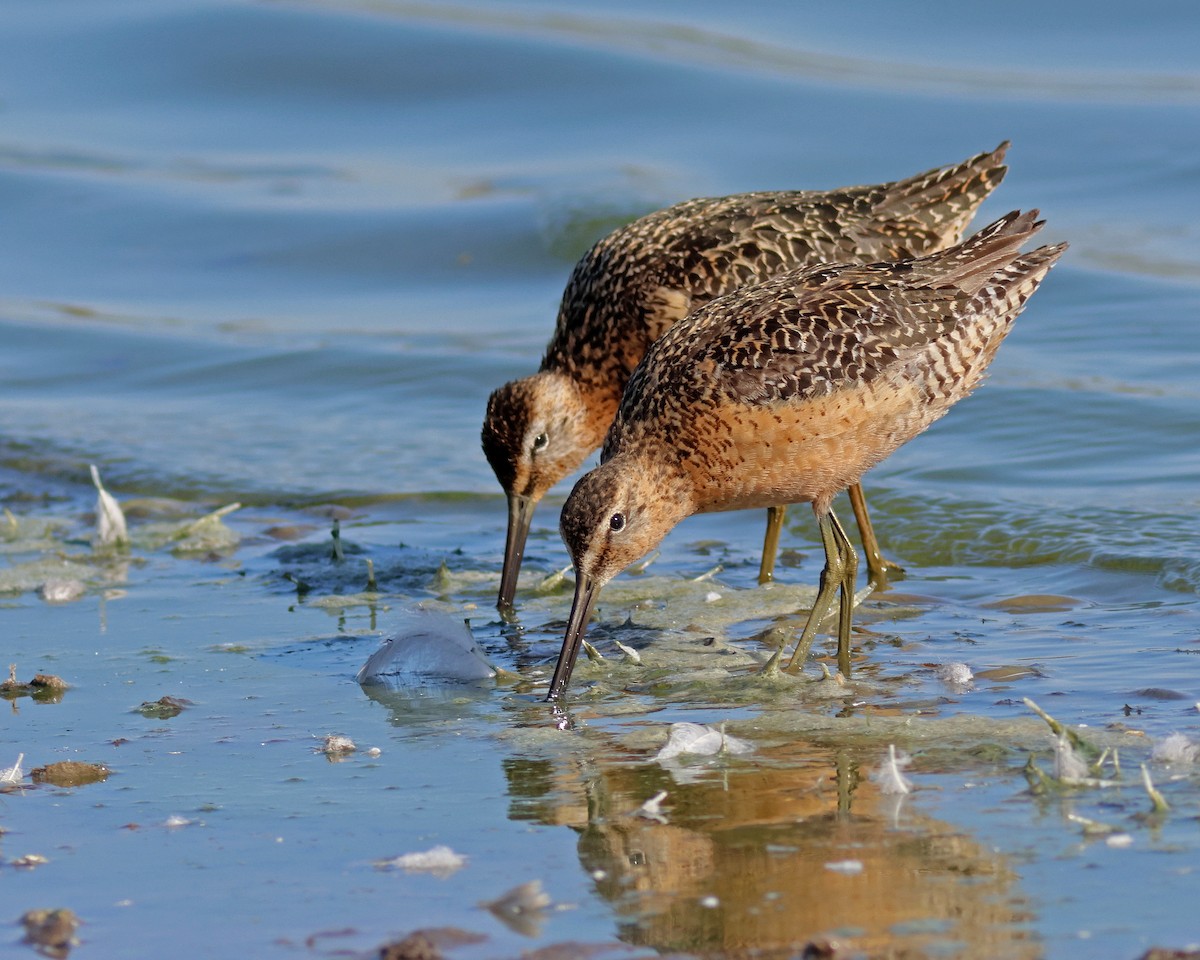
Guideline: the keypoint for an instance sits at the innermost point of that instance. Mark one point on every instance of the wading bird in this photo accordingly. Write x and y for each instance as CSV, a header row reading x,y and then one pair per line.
x,y
787,392
630,287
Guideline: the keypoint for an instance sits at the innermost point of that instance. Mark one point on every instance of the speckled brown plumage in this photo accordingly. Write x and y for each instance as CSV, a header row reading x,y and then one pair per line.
x,y
634,284
787,392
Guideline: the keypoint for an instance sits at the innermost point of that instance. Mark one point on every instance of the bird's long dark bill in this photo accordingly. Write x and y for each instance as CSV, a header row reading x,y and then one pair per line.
x,y
520,515
586,592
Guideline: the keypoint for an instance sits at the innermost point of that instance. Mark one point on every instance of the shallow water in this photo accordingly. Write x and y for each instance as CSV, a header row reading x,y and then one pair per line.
x,y
279,253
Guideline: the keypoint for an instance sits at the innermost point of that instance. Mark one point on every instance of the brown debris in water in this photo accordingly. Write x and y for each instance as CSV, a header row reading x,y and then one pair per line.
x,y
51,931
575,950
44,687
416,946
428,944
289,532
164,708
70,773
337,747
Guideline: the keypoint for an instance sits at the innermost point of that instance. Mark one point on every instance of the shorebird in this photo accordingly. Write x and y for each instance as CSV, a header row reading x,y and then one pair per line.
x,y
786,392
630,287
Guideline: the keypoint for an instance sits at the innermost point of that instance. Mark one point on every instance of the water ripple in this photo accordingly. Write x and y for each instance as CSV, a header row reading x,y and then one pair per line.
x,y
701,45
1013,535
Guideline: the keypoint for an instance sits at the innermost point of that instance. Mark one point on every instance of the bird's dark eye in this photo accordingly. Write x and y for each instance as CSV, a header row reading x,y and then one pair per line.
x,y
617,522
540,441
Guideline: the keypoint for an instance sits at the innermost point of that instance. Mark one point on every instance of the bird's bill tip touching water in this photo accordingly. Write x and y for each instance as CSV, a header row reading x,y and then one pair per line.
x,y
520,516
586,591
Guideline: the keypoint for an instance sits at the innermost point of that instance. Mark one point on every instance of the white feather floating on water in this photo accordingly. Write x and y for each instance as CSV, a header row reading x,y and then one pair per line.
x,y
890,776
1175,748
110,518
432,645
440,861
956,675
1068,765
62,590
14,774
700,740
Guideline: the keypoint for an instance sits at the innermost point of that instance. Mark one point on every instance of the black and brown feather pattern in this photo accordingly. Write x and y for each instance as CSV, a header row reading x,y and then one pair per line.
x,y
634,284
787,392
639,280
932,323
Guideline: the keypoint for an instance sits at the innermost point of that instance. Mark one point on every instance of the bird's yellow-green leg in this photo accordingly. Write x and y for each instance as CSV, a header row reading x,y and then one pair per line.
x,y
766,569
841,567
846,605
878,567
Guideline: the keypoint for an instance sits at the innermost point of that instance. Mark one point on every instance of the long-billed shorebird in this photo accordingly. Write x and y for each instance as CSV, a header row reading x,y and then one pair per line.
x,y
787,392
639,280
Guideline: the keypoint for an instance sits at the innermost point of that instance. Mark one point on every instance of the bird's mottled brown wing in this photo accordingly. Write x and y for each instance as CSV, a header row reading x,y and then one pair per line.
x,y
709,247
786,343
806,333
640,280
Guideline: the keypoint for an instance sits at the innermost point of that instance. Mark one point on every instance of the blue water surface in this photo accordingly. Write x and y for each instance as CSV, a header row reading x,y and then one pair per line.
x,y
279,253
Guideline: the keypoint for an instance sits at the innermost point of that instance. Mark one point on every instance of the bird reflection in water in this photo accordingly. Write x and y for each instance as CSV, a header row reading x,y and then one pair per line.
x,y
762,859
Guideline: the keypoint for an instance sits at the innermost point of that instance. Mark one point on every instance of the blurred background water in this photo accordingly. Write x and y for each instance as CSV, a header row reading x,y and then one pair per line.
x,y
280,253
